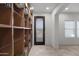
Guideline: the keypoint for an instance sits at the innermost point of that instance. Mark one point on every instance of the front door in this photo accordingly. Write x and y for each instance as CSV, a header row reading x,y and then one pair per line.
x,y
39,30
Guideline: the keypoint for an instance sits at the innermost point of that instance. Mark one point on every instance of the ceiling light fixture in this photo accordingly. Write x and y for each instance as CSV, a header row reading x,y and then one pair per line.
x,y
47,8
31,8
66,8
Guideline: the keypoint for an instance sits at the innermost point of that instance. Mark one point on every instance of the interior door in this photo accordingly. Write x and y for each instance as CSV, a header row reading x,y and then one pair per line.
x,y
39,30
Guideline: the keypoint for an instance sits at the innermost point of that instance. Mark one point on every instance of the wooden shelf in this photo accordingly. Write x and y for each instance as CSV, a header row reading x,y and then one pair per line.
x,y
28,32
5,26
28,28
15,27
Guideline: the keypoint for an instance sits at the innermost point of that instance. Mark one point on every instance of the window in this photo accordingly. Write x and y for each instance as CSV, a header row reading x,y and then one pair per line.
x,y
77,29
69,27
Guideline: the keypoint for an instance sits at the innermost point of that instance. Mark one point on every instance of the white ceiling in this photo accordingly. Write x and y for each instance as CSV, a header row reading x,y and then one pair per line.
x,y
41,7
72,7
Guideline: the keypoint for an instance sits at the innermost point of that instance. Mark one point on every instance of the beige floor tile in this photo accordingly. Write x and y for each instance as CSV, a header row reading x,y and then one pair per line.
x,y
41,50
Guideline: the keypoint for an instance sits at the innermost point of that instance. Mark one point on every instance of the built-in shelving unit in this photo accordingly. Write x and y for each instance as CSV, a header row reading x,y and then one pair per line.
x,y
15,29
28,29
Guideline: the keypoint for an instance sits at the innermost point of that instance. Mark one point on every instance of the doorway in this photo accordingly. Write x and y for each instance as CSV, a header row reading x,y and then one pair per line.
x,y
39,30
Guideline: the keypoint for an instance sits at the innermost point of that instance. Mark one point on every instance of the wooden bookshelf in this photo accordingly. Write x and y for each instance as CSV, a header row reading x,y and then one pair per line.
x,y
16,27
15,30
5,26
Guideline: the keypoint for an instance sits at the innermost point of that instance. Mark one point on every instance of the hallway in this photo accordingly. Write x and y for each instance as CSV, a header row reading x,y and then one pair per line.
x,y
41,50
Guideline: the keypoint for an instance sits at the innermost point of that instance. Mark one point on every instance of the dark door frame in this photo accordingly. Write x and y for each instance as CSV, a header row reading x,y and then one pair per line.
x,y
39,43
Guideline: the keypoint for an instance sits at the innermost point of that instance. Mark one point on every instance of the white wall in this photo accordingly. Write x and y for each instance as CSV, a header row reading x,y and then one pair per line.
x,y
55,25
51,26
67,16
48,27
55,29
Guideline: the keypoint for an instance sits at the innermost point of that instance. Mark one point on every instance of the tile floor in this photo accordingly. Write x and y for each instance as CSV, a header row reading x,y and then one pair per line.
x,y
41,50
